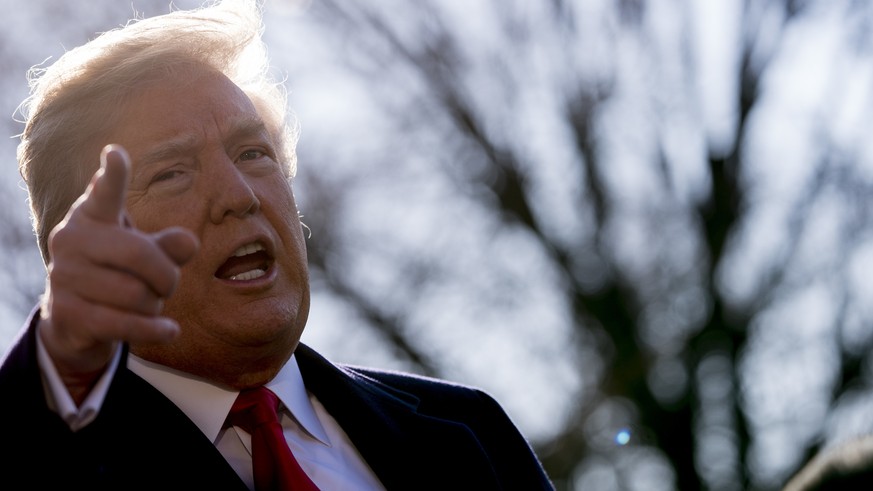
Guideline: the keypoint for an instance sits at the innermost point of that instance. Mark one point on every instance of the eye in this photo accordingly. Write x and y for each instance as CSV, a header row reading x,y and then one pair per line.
x,y
167,175
251,155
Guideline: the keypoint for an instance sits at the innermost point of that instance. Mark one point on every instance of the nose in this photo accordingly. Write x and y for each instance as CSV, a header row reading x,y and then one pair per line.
x,y
232,192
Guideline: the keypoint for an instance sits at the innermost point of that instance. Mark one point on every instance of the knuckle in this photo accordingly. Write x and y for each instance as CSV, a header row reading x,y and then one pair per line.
x,y
60,273
161,272
60,234
142,299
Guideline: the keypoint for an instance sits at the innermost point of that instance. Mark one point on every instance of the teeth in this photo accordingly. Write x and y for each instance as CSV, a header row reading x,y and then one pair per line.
x,y
245,251
248,275
248,249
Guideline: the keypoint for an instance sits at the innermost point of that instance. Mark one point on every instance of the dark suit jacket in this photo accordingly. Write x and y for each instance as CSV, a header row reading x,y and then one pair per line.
x,y
415,433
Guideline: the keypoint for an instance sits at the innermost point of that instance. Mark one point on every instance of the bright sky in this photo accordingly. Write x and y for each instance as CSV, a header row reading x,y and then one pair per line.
x,y
818,85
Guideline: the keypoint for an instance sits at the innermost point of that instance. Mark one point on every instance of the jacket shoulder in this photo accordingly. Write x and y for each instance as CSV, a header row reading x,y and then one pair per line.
x,y
429,392
510,453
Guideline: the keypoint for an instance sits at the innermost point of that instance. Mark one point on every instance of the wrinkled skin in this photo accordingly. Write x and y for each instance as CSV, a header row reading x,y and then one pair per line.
x,y
143,256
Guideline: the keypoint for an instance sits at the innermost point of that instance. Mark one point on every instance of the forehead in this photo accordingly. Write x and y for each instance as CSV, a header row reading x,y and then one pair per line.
x,y
185,103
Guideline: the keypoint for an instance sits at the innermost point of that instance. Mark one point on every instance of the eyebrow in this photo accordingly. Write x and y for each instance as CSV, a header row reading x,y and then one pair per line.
x,y
168,149
241,128
248,127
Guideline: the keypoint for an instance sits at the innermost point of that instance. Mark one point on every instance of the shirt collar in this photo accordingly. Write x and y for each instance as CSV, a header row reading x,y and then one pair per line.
x,y
207,404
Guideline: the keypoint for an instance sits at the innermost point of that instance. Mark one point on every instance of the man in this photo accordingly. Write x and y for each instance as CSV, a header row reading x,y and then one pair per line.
x,y
158,162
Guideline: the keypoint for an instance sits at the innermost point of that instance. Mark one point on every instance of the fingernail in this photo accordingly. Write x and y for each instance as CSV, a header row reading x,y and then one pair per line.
x,y
104,152
169,328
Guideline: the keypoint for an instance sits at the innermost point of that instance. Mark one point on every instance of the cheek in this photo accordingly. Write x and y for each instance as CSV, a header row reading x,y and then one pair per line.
x,y
286,222
283,193
140,215
151,216
280,206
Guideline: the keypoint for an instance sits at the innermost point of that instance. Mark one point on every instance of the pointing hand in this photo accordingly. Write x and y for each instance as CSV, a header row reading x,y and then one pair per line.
x,y
107,281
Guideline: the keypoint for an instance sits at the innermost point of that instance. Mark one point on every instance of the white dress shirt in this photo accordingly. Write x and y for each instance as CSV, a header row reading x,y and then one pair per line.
x,y
322,448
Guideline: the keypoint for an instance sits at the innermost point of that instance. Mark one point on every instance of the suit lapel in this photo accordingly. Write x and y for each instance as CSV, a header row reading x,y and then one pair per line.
x,y
403,446
160,441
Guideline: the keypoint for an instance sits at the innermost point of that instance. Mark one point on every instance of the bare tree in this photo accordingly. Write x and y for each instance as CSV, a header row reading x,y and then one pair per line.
x,y
652,248
579,133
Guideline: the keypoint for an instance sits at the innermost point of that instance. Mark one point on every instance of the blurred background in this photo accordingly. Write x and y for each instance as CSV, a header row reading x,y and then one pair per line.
x,y
643,225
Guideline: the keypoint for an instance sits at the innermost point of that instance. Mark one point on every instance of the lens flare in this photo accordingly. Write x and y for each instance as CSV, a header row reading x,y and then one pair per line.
x,y
622,437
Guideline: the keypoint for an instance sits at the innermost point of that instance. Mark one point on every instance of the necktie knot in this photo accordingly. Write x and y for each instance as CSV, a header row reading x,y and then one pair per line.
x,y
253,408
273,465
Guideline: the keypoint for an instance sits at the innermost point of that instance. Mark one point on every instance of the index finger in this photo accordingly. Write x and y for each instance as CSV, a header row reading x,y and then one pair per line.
x,y
106,195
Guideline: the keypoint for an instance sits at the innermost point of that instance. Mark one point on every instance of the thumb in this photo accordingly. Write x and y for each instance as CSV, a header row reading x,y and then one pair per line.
x,y
178,243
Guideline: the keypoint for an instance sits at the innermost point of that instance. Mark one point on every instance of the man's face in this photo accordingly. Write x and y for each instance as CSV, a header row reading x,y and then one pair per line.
x,y
204,160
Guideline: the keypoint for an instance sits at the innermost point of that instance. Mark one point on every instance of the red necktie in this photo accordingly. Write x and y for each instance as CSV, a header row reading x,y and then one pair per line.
x,y
274,465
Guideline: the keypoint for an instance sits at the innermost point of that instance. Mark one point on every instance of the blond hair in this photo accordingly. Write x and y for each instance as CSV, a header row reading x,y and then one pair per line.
x,y
77,99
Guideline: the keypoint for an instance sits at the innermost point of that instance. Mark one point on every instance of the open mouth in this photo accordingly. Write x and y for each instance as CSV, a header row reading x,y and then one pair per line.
x,y
249,262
